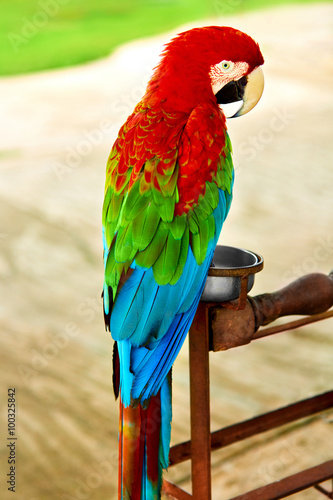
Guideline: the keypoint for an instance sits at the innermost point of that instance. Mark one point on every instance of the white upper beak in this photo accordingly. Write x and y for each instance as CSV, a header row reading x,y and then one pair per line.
x,y
253,91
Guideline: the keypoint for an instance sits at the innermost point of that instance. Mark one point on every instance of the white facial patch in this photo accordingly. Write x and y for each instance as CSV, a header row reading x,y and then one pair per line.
x,y
225,72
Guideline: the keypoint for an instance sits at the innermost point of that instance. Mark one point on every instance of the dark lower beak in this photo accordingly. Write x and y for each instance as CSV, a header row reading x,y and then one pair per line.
x,y
247,89
232,92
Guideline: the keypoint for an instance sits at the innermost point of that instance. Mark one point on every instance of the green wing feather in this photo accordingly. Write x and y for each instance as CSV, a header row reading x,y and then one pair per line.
x,y
139,216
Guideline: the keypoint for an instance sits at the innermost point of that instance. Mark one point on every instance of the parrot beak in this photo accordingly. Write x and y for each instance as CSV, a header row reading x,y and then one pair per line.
x,y
253,91
245,92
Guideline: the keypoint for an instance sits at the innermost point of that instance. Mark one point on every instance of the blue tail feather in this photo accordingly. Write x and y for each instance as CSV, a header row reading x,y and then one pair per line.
x,y
150,323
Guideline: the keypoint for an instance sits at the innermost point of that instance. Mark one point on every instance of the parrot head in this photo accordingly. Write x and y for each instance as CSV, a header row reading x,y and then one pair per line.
x,y
213,62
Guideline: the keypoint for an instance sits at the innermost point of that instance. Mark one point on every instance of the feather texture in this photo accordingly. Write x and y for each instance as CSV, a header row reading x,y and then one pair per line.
x,y
168,191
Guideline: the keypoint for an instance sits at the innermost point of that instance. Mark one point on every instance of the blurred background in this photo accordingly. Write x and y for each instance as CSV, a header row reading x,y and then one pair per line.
x,y
71,72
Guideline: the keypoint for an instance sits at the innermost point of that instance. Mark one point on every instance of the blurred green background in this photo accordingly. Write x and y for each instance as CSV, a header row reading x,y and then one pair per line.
x,y
45,34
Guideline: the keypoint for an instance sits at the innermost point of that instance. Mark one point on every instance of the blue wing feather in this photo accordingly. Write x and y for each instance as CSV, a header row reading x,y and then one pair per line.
x,y
166,412
149,338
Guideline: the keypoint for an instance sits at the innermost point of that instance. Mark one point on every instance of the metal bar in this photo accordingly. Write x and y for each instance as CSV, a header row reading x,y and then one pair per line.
x,y
264,332
175,491
291,484
200,405
322,490
256,425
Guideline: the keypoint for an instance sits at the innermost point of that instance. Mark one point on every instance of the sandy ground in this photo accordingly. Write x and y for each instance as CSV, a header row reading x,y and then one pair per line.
x,y
56,131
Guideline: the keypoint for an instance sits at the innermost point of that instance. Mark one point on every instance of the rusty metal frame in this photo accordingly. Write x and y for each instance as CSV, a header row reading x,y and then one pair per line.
x,y
203,441
174,491
291,484
200,405
292,325
256,425
328,494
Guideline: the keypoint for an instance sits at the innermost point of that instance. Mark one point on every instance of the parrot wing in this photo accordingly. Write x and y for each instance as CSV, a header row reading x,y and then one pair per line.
x,y
162,216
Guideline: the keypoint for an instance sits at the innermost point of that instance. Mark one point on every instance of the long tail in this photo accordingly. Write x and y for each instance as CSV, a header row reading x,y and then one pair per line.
x,y
144,442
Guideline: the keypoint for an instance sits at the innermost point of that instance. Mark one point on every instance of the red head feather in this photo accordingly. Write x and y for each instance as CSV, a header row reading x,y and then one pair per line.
x,y
182,76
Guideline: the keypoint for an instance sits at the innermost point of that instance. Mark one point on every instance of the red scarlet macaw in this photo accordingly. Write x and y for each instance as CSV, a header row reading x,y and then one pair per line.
x,y
168,190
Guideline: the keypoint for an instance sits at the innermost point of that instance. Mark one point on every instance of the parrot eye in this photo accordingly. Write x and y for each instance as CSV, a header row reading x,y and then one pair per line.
x,y
226,66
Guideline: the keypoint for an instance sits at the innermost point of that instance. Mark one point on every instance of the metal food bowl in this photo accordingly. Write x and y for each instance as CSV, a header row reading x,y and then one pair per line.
x,y
229,267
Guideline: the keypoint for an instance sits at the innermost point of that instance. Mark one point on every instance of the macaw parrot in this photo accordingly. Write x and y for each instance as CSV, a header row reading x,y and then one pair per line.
x,y
168,190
